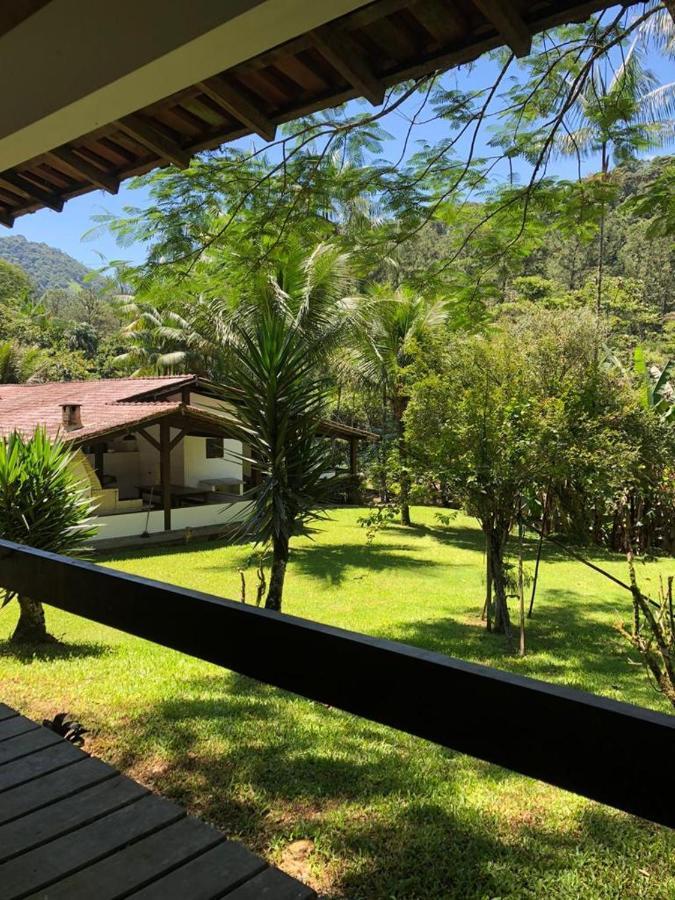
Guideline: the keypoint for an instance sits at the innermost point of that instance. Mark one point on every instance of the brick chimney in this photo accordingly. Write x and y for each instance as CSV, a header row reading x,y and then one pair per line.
x,y
71,416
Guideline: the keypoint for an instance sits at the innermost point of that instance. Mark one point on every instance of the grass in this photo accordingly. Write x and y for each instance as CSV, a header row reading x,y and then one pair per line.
x,y
356,809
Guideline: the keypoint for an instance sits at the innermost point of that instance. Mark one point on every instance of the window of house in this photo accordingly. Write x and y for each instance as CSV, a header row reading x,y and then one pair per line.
x,y
214,448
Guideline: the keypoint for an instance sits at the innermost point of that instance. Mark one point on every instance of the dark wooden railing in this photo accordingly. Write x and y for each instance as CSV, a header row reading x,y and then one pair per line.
x,y
590,745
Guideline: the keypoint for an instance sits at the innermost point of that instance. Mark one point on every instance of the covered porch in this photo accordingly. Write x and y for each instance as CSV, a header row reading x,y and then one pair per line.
x,y
178,470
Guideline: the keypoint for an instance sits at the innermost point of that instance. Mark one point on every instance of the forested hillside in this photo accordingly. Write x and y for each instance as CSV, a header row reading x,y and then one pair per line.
x,y
46,266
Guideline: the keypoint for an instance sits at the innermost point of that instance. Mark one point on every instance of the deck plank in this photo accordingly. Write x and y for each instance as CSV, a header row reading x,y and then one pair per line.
x,y
14,726
6,712
272,884
47,789
136,866
62,857
220,869
25,744
73,828
37,764
77,811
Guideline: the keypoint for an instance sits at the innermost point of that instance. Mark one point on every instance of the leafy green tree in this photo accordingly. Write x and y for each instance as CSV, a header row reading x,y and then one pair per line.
x,y
14,282
525,413
43,505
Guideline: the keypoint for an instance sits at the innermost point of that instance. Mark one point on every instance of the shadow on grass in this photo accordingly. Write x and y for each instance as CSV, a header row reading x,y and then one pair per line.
x,y
563,643
28,653
329,562
388,813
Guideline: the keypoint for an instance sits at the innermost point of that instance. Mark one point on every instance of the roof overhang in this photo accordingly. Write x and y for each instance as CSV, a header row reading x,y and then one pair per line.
x,y
177,415
96,92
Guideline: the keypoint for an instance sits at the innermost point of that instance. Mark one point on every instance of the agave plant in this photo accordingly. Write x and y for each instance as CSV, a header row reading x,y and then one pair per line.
x,y
67,728
43,505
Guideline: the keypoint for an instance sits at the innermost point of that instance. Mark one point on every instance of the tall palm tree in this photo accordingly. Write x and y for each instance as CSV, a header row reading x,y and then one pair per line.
x,y
391,320
278,341
619,112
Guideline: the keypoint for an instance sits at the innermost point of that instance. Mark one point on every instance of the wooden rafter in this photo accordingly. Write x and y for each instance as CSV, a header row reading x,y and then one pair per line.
x,y
81,168
345,56
508,23
152,138
234,102
148,437
179,437
12,14
25,188
6,218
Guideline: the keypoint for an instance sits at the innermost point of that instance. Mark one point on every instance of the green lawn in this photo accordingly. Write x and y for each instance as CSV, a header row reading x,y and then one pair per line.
x,y
359,810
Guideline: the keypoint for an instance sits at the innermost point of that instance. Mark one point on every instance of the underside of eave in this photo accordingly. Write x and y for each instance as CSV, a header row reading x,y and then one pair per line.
x,y
359,55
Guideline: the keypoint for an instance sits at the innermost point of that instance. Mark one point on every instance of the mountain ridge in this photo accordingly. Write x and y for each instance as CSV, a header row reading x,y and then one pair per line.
x,y
46,266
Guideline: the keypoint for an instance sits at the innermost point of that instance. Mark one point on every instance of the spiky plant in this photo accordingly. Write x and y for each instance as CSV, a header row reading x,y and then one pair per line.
x,y
279,341
43,505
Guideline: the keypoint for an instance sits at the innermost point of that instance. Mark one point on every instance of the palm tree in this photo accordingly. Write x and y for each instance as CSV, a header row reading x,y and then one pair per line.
x,y
278,342
42,504
392,319
20,364
618,113
161,341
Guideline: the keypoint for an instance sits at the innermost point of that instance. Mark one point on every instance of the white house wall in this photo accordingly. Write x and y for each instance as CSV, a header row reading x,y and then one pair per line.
x,y
136,523
197,467
149,459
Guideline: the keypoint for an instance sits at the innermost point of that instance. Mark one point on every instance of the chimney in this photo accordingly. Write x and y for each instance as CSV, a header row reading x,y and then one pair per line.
x,y
71,416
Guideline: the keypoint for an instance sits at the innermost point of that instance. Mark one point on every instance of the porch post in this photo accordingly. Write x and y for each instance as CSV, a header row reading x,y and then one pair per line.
x,y
98,462
165,471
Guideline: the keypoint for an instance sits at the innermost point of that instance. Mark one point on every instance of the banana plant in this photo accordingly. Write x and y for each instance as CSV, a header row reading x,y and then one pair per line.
x,y
658,390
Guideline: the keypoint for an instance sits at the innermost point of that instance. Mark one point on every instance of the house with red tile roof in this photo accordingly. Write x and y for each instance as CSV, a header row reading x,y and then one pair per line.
x,y
157,454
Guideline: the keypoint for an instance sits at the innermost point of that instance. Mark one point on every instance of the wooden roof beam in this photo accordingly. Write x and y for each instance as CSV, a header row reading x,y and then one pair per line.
x,y
6,218
81,168
234,102
25,188
145,133
508,23
343,53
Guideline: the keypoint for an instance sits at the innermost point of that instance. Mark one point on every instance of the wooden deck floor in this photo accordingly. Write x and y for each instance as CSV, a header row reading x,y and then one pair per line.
x,y
73,827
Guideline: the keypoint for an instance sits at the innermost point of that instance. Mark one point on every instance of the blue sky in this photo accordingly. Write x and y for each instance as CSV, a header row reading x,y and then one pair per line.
x,y
66,230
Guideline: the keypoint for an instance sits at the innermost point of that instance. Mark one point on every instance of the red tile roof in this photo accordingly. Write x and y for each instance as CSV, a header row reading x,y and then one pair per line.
x,y
105,405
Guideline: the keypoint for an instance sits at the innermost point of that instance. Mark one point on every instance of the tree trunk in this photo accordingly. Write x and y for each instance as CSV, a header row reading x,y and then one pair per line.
x,y
399,404
502,622
31,627
601,263
601,240
277,573
487,608
521,588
